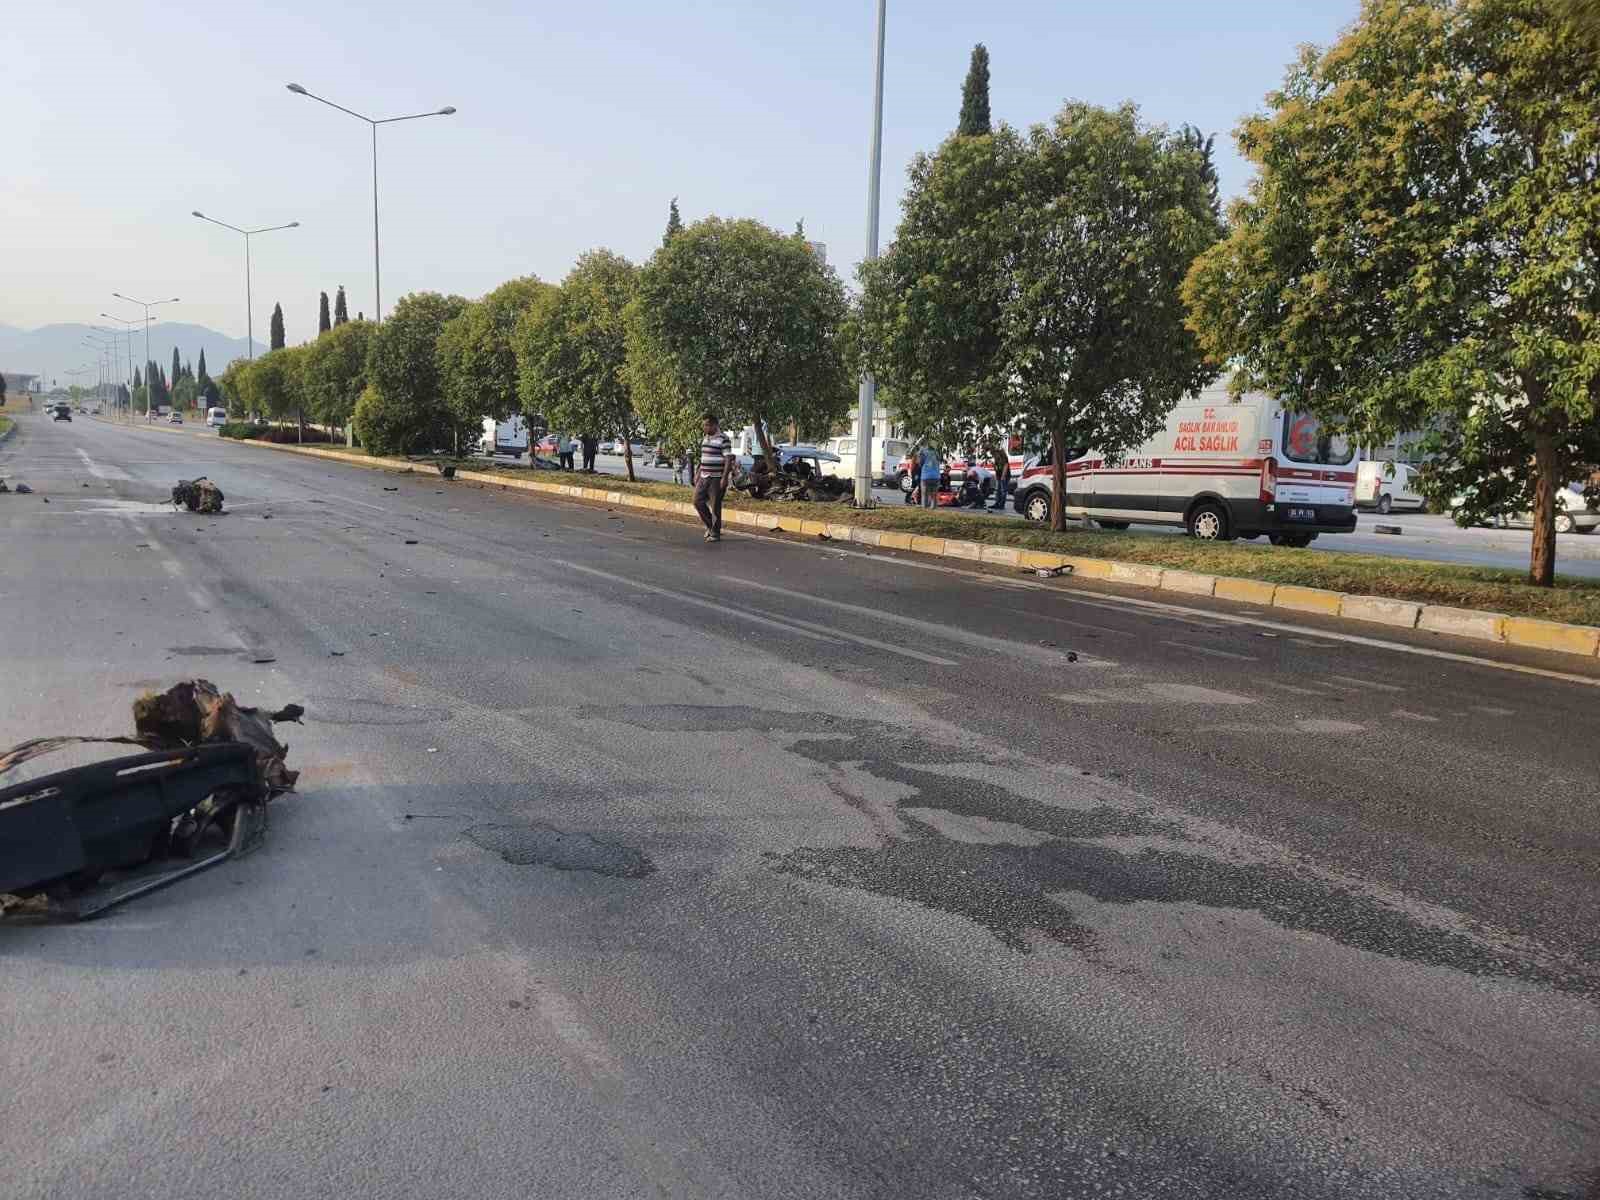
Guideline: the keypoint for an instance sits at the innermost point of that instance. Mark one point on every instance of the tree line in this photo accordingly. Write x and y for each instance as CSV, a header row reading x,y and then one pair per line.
x,y
1419,249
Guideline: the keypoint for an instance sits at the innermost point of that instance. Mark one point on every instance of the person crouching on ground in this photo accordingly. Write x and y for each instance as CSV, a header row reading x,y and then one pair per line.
x,y
716,464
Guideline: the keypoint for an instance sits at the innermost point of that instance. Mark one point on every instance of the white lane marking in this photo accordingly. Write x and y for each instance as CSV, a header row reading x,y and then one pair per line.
x,y
1319,725
1298,691
1365,684
977,641
1407,715
857,638
100,472
1226,618
1212,652
803,629
1154,693
1493,710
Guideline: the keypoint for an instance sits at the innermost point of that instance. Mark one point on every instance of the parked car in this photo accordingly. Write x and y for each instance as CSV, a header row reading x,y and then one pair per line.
x,y
175,419
1387,485
1574,514
887,455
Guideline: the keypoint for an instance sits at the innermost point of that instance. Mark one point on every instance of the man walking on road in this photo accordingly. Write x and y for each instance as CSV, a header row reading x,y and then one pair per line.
x,y
716,465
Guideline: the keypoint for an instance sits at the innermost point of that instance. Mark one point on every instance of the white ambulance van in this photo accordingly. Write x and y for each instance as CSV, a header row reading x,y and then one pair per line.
x,y
1221,468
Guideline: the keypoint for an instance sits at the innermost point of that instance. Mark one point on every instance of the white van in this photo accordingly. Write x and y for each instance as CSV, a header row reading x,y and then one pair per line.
x,y
216,417
505,437
887,454
1387,485
1221,468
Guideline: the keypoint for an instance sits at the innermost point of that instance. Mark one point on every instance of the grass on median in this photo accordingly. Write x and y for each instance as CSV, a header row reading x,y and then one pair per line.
x,y
1489,588
5,424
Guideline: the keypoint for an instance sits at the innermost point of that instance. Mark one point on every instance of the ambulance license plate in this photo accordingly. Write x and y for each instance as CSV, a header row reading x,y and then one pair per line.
x,y
1302,514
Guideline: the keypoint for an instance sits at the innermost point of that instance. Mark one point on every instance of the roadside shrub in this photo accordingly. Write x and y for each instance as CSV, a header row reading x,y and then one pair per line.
x,y
242,429
283,435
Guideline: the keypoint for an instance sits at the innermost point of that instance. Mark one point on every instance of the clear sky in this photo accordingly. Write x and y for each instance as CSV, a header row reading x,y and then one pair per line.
x,y
577,122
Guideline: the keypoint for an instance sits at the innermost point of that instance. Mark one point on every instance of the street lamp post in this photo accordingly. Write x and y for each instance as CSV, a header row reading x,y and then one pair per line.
x,y
249,308
869,386
147,305
127,326
374,122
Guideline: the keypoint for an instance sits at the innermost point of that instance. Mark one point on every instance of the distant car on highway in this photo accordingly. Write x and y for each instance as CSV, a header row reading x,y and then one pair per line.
x,y
63,413
216,417
175,419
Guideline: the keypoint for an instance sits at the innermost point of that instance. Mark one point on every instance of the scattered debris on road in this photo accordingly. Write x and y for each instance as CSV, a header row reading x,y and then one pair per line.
x,y
23,489
1396,530
199,790
1049,572
197,495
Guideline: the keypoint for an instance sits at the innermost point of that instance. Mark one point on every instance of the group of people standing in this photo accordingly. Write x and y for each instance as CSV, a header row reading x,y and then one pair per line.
x,y
932,477
567,447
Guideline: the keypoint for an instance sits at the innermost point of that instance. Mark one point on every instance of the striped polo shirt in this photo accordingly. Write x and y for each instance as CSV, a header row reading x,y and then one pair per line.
x,y
714,453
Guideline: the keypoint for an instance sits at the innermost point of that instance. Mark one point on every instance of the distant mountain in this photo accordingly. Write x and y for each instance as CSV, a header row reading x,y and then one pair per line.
x,y
56,349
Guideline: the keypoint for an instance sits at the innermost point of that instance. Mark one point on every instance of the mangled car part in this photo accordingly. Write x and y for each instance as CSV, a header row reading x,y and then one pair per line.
x,y
198,796
197,495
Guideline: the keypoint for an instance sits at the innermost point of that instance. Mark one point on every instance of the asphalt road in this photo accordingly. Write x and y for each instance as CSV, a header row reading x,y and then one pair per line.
x,y
627,866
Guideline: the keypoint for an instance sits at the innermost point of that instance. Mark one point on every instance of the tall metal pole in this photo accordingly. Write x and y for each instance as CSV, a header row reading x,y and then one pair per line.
x,y
249,308
377,285
869,386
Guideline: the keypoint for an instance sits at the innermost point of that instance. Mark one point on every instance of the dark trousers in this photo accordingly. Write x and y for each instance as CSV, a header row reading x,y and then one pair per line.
x,y
589,449
566,460
708,501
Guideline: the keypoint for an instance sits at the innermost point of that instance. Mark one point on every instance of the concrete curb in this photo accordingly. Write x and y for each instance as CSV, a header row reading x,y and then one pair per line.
x,y
1528,632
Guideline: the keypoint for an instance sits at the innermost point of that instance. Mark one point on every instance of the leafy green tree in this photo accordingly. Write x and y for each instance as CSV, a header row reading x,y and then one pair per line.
x,y
234,391
341,313
1582,17
210,393
277,339
402,409
674,222
324,321
271,385
975,95
932,308
571,349
659,399
750,323
1034,286
334,373
2,389
1421,248
184,393
477,354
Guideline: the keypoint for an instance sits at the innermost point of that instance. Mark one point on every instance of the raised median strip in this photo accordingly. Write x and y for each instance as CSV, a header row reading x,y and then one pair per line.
x,y
1529,632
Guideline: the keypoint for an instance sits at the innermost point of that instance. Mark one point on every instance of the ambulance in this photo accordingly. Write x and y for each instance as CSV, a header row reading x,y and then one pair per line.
x,y
1222,468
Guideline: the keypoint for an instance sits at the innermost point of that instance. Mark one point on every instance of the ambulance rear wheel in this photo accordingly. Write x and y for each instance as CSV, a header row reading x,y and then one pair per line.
x,y
1209,523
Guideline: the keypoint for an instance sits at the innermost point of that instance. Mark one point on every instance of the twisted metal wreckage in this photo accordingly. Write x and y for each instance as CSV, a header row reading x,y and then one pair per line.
x,y
77,842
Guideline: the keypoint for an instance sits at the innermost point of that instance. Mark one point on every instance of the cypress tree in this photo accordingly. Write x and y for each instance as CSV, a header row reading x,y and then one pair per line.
x,y
177,368
277,327
323,322
674,222
341,314
201,375
975,95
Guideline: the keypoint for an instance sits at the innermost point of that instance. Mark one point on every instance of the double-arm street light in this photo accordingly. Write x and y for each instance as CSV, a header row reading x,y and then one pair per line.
x,y
102,349
249,309
127,327
374,122
147,305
